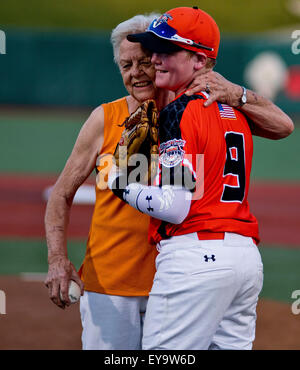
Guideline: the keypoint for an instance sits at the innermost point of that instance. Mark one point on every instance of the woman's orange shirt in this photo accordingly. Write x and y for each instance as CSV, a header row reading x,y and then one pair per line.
x,y
118,260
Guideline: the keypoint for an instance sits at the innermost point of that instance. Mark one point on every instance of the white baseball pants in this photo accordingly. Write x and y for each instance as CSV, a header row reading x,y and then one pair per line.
x,y
204,294
111,322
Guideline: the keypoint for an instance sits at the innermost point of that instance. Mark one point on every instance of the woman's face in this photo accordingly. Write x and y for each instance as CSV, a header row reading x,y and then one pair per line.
x,y
137,71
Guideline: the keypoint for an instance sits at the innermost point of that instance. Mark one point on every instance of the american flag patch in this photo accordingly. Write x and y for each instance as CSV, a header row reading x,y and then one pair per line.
x,y
226,111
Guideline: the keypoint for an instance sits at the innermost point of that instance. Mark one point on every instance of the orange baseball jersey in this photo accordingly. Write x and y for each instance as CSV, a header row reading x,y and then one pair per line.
x,y
118,260
209,150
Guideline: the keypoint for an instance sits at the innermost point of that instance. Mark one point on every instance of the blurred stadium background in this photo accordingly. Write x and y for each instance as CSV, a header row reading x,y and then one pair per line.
x,y
56,65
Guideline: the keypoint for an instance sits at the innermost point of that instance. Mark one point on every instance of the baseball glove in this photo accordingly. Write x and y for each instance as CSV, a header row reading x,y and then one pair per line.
x,y
140,136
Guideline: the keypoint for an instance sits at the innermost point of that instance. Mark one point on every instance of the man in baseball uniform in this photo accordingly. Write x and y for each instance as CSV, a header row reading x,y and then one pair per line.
x,y
209,270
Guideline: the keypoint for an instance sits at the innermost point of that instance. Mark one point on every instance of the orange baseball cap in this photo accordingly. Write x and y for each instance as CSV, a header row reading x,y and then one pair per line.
x,y
184,27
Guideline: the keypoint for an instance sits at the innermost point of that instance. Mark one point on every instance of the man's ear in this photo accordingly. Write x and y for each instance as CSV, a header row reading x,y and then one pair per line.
x,y
200,60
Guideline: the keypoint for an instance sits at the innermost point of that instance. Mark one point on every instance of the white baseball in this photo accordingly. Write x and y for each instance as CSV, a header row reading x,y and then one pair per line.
x,y
74,292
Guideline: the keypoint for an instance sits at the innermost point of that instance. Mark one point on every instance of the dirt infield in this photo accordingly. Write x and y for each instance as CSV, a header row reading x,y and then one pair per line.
x,y
22,209
277,208
32,321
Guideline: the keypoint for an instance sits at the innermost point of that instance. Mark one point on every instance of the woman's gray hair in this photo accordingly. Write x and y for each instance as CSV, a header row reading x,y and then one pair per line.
x,y
137,24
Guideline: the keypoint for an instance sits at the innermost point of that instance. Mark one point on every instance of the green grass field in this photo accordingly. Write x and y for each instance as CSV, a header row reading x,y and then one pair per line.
x,y
32,255
41,144
277,160
231,15
37,144
281,265
281,272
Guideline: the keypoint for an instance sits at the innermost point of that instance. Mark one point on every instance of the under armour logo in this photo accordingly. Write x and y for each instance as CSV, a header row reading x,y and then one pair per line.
x,y
125,193
148,198
212,257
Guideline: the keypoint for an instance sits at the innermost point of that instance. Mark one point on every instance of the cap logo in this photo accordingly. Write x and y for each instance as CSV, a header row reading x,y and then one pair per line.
x,y
162,19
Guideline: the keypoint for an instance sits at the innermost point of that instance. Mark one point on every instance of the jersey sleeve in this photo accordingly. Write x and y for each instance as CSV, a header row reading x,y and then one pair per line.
x,y
177,145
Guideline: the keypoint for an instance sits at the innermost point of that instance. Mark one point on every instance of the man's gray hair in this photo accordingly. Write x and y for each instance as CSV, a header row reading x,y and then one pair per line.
x,y
137,24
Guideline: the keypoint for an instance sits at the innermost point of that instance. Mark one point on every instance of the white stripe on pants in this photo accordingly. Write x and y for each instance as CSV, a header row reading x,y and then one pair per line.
x,y
204,294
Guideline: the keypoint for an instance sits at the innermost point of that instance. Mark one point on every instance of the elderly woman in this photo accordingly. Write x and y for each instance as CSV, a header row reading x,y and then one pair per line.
x,y
117,272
